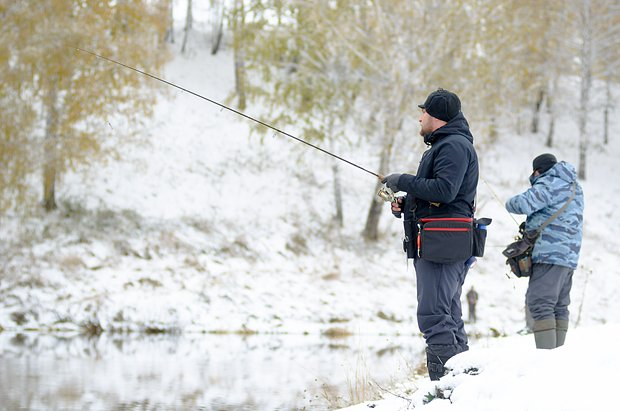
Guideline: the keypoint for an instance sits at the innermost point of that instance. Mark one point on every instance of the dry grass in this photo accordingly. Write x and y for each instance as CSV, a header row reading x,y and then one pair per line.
x,y
337,332
70,263
359,388
359,385
297,244
91,327
331,276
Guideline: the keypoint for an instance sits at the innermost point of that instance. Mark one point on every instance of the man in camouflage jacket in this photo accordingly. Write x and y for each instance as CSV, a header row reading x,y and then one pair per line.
x,y
556,251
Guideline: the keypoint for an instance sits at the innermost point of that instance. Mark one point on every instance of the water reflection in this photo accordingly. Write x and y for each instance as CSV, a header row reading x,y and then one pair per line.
x,y
196,372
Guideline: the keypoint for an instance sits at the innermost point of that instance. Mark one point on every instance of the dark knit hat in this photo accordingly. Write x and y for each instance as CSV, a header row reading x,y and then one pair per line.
x,y
442,104
544,162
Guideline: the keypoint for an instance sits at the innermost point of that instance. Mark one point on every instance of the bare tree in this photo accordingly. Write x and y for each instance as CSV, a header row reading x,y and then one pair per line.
x,y
50,162
599,59
586,62
72,92
238,46
188,25
607,110
551,112
217,25
537,107
170,29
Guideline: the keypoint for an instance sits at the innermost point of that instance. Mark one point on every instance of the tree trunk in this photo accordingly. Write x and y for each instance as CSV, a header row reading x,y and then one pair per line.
x,y
170,30
586,84
371,229
391,126
536,114
551,114
217,12
606,112
493,133
239,26
188,25
339,217
551,130
51,149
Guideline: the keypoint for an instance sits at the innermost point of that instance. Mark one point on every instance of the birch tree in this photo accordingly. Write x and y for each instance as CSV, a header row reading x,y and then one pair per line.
x,y
76,93
599,41
586,60
609,61
217,25
170,18
240,32
189,19
304,70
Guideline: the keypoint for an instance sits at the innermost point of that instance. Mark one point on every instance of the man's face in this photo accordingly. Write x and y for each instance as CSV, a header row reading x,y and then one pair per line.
x,y
426,126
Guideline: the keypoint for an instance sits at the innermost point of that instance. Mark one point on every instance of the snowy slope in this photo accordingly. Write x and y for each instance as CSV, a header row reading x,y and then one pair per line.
x,y
206,228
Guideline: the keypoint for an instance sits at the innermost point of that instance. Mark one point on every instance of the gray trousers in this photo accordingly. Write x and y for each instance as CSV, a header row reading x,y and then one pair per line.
x,y
439,311
548,291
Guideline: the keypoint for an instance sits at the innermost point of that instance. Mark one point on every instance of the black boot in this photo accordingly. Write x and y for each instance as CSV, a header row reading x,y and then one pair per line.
x,y
436,357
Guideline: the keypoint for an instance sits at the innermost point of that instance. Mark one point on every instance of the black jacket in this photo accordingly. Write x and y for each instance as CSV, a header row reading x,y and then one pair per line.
x,y
447,177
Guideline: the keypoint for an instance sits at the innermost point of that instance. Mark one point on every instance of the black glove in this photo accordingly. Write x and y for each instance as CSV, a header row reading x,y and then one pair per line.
x,y
392,182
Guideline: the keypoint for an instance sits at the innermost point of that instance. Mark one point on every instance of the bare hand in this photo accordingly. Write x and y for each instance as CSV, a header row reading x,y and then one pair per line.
x,y
396,205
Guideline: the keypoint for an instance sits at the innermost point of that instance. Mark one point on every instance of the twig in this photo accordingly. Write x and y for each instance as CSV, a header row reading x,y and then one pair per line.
x,y
409,400
583,297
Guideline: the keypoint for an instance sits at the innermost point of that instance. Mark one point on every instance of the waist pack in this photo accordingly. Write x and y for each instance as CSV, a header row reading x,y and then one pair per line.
x,y
519,253
445,240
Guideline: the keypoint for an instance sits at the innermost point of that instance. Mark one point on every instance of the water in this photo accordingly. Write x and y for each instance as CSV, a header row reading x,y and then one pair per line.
x,y
198,372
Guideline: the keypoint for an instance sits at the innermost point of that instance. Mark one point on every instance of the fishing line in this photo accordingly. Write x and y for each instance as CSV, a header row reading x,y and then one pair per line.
x,y
223,106
497,198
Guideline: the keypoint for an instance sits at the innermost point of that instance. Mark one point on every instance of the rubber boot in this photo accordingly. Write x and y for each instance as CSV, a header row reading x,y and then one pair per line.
x,y
544,334
436,357
561,328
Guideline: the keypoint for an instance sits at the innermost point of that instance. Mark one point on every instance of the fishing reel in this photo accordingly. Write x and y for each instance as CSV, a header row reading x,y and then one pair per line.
x,y
386,194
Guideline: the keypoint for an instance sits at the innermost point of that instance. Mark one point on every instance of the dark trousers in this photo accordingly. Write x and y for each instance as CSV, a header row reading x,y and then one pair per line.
x,y
548,291
439,302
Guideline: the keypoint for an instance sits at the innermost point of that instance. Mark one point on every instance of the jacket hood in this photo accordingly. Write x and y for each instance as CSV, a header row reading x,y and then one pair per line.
x,y
458,125
561,170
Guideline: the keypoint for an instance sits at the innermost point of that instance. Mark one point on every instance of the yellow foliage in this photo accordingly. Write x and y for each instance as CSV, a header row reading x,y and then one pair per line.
x,y
63,97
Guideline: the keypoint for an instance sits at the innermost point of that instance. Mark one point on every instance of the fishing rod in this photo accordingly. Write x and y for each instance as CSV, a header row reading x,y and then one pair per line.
x,y
498,200
380,177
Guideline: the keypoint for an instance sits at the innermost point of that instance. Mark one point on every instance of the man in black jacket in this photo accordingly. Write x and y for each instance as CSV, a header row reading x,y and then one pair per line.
x,y
444,187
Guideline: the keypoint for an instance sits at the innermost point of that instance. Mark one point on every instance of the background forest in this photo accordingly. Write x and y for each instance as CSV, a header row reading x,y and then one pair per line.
x,y
342,72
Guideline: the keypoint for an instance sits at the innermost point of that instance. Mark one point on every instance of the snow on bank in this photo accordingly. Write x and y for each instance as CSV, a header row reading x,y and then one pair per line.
x,y
207,229
510,374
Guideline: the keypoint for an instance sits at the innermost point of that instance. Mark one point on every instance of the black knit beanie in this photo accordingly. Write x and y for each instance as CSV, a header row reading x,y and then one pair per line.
x,y
442,104
544,162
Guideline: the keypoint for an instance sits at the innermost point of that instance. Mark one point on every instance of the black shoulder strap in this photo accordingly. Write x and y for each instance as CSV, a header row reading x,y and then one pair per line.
x,y
560,211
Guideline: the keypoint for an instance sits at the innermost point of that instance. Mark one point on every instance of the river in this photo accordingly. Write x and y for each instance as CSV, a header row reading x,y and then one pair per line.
x,y
199,371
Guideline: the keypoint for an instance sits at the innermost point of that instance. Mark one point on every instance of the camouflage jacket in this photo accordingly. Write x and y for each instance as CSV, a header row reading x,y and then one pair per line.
x,y
560,241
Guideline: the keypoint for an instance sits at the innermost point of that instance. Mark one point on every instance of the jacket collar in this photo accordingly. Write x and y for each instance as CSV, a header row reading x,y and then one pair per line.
x,y
458,125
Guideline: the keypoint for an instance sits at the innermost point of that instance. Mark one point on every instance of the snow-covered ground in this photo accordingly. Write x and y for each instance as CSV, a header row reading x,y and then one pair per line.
x,y
510,374
208,228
